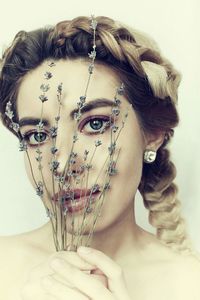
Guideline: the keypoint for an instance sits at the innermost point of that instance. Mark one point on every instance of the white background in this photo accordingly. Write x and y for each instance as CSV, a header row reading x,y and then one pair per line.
x,y
173,24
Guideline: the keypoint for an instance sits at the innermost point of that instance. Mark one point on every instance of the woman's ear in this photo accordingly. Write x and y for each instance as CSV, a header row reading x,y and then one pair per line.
x,y
153,141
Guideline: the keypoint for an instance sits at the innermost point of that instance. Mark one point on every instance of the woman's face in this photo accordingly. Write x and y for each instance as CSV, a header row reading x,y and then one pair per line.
x,y
73,74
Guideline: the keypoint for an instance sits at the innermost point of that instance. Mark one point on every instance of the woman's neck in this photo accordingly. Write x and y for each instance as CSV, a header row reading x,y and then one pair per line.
x,y
121,241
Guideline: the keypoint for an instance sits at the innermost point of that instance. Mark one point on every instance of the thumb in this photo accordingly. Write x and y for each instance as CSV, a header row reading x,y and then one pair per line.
x,y
113,271
101,261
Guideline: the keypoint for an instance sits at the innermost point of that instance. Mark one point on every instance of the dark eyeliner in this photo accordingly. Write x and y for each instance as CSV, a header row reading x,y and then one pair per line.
x,y
90,118
27,138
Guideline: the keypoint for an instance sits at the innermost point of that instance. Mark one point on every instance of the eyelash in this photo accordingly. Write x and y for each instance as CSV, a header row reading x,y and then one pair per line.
x,y
86,121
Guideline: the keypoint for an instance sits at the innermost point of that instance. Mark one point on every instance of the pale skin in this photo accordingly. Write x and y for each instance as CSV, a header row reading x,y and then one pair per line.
x,y
132,262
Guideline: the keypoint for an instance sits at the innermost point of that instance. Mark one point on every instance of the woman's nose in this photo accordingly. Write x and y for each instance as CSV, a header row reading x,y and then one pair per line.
x,y
71,163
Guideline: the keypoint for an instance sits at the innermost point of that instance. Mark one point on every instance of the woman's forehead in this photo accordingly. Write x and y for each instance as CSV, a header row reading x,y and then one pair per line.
x,y
73,75
70,71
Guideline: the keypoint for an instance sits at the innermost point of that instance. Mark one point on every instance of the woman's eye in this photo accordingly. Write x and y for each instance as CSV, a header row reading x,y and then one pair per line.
x,y
34,138
95,124
91,125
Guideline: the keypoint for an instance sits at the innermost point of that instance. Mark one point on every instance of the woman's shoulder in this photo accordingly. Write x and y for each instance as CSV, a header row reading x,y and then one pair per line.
x,y
161,254
179,271
13,252
158,272
18,251
12,243
17,258
165,269
13,261
8,244
185,276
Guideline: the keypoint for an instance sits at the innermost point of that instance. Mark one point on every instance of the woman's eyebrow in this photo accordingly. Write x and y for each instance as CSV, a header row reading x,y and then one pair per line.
x,y
100,102
96,103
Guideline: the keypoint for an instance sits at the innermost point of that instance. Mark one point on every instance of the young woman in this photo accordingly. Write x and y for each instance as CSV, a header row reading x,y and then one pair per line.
x,y
124,261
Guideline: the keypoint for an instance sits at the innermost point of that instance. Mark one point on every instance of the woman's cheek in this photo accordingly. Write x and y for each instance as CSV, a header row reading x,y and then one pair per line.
x,y
28,169
34,165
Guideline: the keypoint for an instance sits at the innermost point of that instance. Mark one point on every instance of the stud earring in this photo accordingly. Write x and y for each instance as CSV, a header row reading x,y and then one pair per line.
x,y
149,156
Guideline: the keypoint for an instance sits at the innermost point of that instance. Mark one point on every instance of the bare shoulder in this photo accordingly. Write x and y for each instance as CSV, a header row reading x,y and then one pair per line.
x,y
18,249
167,274
188,269
182,273
158,273
186,277
12,246
13,253
184,263
7,248
17,257
12,266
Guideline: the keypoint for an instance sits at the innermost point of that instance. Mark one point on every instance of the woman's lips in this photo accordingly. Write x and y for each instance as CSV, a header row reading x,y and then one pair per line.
x,y
76,200
81,203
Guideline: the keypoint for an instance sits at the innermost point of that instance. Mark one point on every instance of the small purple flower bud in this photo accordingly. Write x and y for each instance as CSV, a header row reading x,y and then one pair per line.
x,y
92,55
39,189
117,101
39,158
90,68
15,126
54,165
53,131
54,150
75,138
114,128
95,187
51,64
48,75
106,186
59,89
43,98
44,87
22,145
115,111
57,118
120,90
40,126
82,98
98,143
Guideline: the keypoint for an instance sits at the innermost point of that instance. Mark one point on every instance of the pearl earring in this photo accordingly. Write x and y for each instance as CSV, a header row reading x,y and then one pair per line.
x,y
149,156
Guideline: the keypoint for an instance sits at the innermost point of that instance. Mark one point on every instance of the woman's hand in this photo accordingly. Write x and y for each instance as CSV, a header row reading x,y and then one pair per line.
x,y
87,285
33,289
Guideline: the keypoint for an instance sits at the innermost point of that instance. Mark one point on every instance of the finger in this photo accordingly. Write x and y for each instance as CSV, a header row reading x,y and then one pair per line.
x,y
110,268
39,270
45,269
34,291
59,278
73,258
101,278
60,291
85,283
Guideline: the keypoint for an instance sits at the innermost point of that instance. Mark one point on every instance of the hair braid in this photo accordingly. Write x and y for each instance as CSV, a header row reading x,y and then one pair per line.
x,y
160,196
128,46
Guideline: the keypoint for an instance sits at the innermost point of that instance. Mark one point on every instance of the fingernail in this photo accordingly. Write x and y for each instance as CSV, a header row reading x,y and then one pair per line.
x,y
84,250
